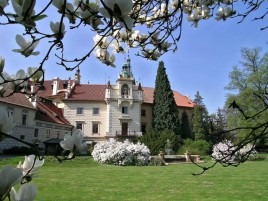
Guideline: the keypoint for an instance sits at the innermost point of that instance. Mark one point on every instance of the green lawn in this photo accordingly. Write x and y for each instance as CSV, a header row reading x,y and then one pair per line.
x,y
83,179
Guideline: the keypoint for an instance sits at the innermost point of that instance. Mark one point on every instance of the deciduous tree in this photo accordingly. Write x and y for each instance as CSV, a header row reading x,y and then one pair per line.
x,y
248,82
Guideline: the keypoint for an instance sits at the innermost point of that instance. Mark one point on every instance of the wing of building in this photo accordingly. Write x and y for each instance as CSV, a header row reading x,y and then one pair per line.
x,y
100,111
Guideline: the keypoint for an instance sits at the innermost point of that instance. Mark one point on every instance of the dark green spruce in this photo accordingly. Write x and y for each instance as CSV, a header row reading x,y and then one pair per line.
x,y
165,111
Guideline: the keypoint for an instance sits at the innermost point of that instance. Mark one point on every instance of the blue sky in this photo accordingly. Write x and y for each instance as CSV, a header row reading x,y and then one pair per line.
x,y
204,59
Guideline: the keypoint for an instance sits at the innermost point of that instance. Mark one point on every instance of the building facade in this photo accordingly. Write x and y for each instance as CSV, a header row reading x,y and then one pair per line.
x,y
106,111
35,121
101,111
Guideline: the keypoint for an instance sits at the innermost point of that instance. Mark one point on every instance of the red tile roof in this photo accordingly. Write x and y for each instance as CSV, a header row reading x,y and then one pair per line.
x,y
18,99
181,101
96,92
48,112
88,92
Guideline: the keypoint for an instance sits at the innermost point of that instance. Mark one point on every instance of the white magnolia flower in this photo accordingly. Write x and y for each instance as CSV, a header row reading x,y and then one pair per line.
x,y
151,54
117,47
100,41
24,11
104,57
27,46
27,192
109,60
6,121
174,4
194,17
154,37
19,79
224,13
58,29
74,142
69,13
4,86
164,46
139,37
30,165
77,2
35,73
90,16
156,12
120,9
149,21
3,4
13,81
2,64
205,12
9,177
163,9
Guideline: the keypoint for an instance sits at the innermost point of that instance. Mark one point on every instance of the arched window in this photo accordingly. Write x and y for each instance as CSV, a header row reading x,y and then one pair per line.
x,y
124,90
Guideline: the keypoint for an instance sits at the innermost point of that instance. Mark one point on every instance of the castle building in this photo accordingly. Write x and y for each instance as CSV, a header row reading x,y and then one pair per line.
x,y
101,111
105,111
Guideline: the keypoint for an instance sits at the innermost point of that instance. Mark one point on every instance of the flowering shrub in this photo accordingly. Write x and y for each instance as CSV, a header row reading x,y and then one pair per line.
x,y
246,152
121,153
226,152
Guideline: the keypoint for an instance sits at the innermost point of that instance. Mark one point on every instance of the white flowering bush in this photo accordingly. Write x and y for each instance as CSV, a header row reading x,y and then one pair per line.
x,y
246,152
121,153
226,152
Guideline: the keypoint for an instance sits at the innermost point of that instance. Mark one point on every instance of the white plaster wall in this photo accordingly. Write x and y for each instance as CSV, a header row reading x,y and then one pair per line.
x,y
133,118
87,117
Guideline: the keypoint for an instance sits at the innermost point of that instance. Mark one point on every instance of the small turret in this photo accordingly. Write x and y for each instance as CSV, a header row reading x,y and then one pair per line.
x,y
77,76
126,72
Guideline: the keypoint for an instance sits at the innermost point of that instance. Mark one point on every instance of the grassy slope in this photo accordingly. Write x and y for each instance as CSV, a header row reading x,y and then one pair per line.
x,y
82,179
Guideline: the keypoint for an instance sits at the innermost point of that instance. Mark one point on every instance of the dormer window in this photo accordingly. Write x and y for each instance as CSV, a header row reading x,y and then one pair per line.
x,y
65,84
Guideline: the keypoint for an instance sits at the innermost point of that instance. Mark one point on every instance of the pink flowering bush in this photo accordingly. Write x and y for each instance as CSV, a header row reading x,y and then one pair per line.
x,y
121,153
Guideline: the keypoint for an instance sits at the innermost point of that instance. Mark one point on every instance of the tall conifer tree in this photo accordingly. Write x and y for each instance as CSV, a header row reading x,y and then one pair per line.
x,y
165,111
200,114
185,126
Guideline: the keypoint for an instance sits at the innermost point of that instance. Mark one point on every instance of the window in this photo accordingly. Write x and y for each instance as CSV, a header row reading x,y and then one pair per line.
x,y
143,113
58,134
96,111
79,110
36,132
48,133
10,112
95,127
79,125
22,137
124,110
124,90
143,128
24,119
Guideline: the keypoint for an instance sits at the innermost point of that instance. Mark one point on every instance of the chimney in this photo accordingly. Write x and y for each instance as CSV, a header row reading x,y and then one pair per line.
x,y
55,85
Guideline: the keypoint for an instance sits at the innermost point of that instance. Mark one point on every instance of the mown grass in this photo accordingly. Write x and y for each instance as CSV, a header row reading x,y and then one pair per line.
x,y
83,179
